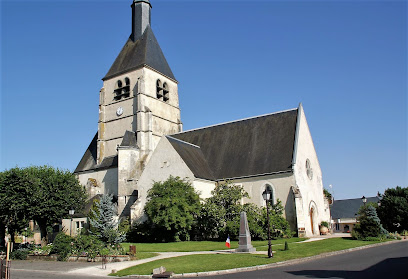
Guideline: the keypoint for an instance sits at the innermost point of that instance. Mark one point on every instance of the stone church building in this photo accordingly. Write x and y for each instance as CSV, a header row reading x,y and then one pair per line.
x,y
140,140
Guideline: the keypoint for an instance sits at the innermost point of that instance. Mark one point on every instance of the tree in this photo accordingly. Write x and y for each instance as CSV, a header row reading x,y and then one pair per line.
x,y
220,213
57,192
104,224
172,207
393,210
369,224
16,189
279,225
327,194
43,194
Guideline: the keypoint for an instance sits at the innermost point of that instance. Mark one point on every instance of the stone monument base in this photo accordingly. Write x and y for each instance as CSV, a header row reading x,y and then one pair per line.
x,y
245,249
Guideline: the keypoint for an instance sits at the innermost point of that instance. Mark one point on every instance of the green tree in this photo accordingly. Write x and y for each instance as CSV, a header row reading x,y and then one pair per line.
x,y
393,210
43,194
104,224
16,190
220,213
369,224
172,207
57,192
327,194
279,225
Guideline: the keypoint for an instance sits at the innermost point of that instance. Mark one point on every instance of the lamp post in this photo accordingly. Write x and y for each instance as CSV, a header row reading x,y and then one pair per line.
x,y
364,199
71,212
267,197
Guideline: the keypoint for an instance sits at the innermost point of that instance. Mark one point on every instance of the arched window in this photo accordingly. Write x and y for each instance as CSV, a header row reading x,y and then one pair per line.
x,y
122,91
165,92
159,90
162,91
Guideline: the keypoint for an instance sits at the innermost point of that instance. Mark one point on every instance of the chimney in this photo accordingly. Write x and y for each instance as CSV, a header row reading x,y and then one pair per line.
x,y
140,18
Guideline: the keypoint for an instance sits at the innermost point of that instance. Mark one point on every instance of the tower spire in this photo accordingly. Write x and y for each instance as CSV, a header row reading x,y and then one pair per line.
x,y
140,18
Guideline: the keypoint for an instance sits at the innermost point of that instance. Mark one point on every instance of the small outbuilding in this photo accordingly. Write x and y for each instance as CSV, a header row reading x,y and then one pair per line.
x,y
344,213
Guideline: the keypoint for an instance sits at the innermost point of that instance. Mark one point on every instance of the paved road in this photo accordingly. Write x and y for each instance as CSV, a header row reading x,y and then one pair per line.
x,y
47,270
387,261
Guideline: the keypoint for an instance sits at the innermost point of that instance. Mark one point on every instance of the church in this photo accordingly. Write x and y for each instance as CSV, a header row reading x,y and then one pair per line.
x,y
140,140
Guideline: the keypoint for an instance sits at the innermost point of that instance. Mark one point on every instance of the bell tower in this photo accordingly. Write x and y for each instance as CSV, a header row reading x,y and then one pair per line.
x,y
139,92
138,104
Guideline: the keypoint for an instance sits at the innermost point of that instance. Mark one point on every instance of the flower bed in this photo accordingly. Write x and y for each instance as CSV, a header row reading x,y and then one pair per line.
x,y
53,257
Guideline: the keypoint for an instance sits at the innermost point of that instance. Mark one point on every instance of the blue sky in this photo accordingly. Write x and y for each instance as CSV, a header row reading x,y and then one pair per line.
x,y
346,61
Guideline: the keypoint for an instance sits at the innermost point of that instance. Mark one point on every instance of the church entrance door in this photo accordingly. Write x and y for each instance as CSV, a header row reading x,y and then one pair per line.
x,y
311,219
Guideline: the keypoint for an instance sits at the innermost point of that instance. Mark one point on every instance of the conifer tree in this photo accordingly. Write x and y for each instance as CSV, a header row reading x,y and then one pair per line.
x,y
369,224
103,222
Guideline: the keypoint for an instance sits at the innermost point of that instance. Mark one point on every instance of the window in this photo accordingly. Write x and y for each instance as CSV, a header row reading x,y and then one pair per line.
x,y
337,226
122,91
80,225
309,170
162,91
165,92
159,89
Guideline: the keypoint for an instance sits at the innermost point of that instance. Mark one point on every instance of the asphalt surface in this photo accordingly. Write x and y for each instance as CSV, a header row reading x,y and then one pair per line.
x,y
386,261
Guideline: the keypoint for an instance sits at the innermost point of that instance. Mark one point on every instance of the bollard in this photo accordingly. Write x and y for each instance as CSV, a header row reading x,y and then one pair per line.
x,y
104,261
132,250
5,269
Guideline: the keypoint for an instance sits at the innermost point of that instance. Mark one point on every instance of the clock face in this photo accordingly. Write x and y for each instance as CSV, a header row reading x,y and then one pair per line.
x,y
119,111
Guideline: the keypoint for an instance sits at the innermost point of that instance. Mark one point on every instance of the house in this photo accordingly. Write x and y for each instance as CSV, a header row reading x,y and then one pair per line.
x,y
344,213
140,140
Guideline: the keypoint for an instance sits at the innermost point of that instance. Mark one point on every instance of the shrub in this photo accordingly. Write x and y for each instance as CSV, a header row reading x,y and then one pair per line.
x,y
19,254
88,245
62,246
324,224
279,225
220,216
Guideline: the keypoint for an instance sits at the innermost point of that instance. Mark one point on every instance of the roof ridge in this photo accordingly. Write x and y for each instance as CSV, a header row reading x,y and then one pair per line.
x,y
357,198
238,120
182,141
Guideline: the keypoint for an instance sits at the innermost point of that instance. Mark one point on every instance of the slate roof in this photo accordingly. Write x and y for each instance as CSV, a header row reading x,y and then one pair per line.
x,y
348,208
254,146
129,139
193,157
88,161
144,51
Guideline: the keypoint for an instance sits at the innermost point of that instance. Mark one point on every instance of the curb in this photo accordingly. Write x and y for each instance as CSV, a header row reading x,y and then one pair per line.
x,y
266,266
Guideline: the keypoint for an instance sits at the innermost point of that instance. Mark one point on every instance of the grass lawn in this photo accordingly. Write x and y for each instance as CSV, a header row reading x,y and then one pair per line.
x,y
208,262
191,246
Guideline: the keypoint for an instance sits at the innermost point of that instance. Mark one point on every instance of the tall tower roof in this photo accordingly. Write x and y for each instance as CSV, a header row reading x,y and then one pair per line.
x,y
141,48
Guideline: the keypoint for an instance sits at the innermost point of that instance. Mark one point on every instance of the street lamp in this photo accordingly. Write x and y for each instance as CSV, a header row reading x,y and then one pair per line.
x,y
71,212
364,199
267,194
